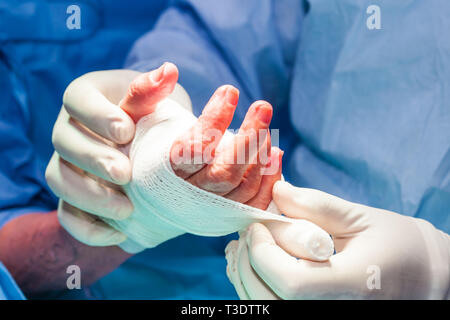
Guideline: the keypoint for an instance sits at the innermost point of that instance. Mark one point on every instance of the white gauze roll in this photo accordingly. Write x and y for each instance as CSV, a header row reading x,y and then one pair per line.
x,y
166,205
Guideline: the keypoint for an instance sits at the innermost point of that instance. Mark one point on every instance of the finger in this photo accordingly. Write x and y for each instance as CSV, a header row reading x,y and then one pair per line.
x,y
86,150
333,214
254,286
249,185
148,89
288,277
302,239
196,148
251,181
86,102
81,191
232,269
230,250
86,228
264,195
228,168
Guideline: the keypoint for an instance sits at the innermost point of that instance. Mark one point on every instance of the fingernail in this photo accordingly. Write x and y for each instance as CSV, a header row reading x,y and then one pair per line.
x,y
116,129
118,169
264,113
120,132
232,95
156,75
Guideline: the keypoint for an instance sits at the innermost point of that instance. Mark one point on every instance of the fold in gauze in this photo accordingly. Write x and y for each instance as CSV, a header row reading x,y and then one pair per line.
x,y
166,206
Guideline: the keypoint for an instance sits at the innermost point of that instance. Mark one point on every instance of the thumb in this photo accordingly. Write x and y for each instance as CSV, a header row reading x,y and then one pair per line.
x,y
148,89
335,215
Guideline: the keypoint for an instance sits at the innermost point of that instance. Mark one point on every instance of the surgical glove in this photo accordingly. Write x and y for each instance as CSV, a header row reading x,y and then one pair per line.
x,y
88,167
379,254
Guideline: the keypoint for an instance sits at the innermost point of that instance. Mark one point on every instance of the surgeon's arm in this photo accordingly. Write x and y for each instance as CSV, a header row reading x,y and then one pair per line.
x,y
37,251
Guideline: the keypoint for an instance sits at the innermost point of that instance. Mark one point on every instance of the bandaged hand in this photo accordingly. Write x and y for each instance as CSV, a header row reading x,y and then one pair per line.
x,y
89,166
190,175
201,152
379,254
207,166
164,205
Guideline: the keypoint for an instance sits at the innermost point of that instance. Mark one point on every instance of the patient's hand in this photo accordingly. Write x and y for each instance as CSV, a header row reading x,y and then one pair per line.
x,y
223,170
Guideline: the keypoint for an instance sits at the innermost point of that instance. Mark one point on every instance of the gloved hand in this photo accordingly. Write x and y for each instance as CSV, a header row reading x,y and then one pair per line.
x,y
88,167
379,254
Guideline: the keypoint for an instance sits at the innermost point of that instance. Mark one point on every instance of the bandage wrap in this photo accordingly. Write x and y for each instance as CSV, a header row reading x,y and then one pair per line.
x,y
166,205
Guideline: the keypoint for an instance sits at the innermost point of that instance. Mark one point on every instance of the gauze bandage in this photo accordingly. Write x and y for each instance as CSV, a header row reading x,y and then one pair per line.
x,y
166,205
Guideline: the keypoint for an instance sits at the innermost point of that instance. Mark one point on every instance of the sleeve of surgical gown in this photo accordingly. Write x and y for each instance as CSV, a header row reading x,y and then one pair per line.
x,y
249,44
21,183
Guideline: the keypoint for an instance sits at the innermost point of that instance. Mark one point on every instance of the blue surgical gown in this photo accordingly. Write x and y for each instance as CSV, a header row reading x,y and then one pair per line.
x,y
363,114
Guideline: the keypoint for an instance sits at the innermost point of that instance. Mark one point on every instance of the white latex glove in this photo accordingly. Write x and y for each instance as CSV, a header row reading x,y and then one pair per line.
x,y
379,254
88,167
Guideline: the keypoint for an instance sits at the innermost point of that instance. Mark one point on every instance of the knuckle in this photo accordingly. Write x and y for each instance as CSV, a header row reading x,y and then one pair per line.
x,y
102,164
115,206
325,204
68,93
49,171
193,149
56,137
137,88
223,177
217,174
250,186
62,219
111,167
114,170
51,178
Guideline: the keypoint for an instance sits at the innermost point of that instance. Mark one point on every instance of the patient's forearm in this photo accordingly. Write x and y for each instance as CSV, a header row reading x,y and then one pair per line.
x,y
37,251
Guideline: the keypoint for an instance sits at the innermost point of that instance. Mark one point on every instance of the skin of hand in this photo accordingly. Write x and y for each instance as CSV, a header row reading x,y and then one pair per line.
x,y
379,254
88,136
